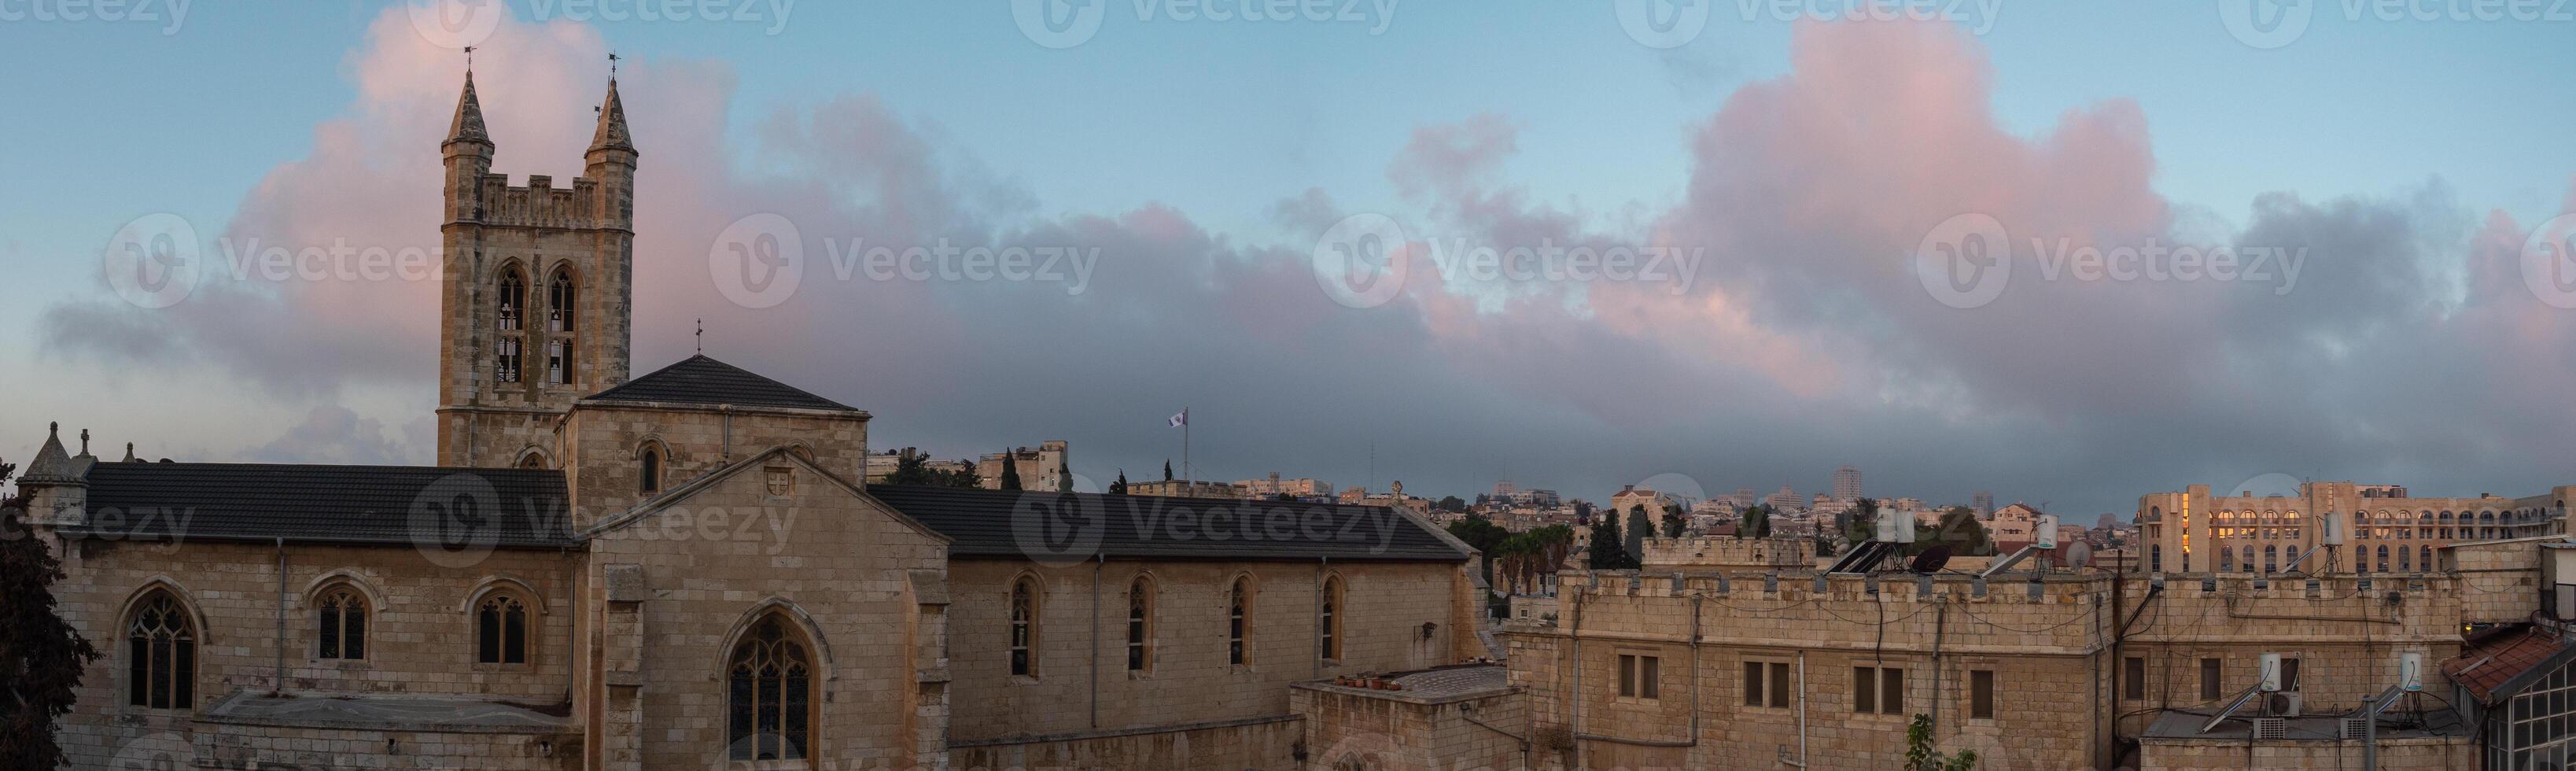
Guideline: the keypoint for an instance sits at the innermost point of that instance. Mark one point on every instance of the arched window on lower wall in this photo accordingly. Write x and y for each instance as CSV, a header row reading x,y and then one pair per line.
x,y
501,630
770,699
161,654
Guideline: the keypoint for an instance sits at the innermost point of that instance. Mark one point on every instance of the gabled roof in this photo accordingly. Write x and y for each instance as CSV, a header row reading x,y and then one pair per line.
x,y
2505,661
702,380
425,506
1072,526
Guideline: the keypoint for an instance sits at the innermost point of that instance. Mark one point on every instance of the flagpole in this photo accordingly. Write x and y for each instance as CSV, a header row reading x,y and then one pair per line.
x,y
1188,479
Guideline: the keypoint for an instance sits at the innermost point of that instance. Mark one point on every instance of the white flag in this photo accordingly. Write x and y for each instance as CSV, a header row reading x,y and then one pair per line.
x,y
1181,419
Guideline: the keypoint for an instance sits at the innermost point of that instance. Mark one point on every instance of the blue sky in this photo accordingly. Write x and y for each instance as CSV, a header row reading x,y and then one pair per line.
x,y
1222,120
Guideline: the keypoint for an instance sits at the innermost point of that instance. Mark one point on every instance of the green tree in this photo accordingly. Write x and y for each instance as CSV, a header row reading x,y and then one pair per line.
x,y
42,653
1638,526
1451,503
1482,535
1119,487
1063,476
964,477
1673,522
1920,756
1608,553
1864,522
1960,530
1167,469
1010,470
910,469
1757,522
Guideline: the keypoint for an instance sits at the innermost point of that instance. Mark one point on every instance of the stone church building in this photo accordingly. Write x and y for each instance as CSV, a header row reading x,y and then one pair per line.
x,y
687,569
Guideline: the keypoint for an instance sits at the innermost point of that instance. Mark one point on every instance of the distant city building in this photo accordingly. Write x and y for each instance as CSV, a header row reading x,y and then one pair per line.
x,y
1039,467
884,463
1302,487
1176,488
1847,483
2194,530
1785,500
1983,502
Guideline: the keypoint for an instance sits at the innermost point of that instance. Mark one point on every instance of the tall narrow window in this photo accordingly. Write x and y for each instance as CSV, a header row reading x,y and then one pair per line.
x,y
1024,627
1981,694
770,702
1864,690
1238,622
2289,674
1640,677
1752,683
161,655
501,630
1140,631
649,471
341,617
1331,626
2210,684
1780,684
2133,679
559,327
511,324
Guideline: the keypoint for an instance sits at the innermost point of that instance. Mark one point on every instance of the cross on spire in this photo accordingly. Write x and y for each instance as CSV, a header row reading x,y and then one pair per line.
x,y
702,335
469,60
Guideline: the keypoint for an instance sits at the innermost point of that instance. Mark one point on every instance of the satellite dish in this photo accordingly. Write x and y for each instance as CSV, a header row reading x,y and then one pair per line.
x,y
1931,560
2077,553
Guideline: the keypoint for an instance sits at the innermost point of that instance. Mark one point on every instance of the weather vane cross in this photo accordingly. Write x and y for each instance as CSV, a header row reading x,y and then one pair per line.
x,y
469,59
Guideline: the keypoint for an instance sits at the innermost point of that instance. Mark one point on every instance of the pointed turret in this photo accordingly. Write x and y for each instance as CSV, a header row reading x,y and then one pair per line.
x,y
52,463
611,133
467,126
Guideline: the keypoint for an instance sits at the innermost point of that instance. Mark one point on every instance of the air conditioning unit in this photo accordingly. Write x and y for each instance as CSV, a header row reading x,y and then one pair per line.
x,y
2281,704
2271,728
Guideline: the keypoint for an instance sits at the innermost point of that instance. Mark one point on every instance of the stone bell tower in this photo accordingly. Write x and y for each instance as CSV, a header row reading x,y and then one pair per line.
x,y
536,291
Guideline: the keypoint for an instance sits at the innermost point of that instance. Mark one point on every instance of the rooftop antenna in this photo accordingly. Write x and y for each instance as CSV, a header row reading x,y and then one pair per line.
x,y
702,337
469,60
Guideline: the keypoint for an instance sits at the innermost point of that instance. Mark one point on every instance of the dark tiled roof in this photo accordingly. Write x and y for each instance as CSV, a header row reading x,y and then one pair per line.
x,y
1072,526
2500,662
453,508
702,380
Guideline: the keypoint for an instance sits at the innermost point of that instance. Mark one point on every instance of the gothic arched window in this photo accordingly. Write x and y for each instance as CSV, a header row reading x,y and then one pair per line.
x,y
509,352
340,616
1328,625
1238,619
769,705
501,630
649,470
1140,625
559,326
1024,627
161,655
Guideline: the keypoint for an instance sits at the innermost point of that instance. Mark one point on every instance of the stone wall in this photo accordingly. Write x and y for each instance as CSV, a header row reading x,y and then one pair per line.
x,y
2347,636
607,441
2194,755
1397,731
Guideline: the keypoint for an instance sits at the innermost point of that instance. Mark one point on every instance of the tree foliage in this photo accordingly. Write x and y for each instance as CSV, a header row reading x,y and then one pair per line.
x,y
1757,522
1609,552
41,656
1451,503
1010,470
1674,523
914,469
1920,756
1638,527
1119,487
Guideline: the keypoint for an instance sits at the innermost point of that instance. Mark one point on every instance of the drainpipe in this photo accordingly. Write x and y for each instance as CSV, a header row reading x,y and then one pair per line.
x,y
1802,711
277,680
1316,609
1099,562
